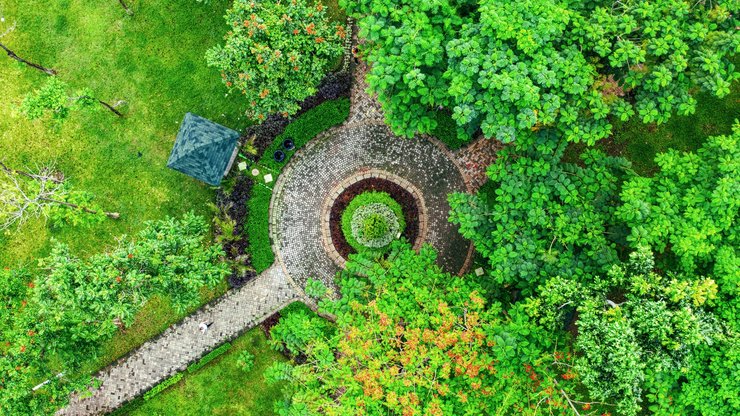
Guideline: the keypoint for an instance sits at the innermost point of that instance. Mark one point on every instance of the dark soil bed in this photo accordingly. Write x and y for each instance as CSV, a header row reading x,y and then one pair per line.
x,y
397,192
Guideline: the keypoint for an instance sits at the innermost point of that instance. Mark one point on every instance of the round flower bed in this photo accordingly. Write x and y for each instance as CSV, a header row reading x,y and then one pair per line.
x,y
397,193
371,221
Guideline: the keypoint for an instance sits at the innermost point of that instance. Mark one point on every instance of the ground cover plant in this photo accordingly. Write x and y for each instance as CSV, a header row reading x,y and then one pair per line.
x,y
304,128
371,221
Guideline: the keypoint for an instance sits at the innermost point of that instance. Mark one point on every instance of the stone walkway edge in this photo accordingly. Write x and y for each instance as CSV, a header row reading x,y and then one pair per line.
x,y
182,344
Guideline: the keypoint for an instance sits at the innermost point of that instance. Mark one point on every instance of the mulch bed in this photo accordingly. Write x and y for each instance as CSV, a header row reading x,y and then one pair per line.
x,y
397,192
235,205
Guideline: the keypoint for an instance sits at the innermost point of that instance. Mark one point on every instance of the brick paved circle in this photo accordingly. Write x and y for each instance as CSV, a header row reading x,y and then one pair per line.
x,y
345,154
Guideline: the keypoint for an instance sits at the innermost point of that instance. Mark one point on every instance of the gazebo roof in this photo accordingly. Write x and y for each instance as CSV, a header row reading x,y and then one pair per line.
x,y
203,149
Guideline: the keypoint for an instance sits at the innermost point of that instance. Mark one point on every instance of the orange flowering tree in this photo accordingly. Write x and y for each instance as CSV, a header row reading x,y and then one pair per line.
x,y
411,339
276,53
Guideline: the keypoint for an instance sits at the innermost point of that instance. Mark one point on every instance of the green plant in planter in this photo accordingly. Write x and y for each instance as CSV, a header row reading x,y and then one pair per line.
x,y
371,221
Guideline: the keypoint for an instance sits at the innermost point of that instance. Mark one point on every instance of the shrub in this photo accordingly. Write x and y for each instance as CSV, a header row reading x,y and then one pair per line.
x,y
209,357
245,361
276,53
162,386
298,325
371,221
301,131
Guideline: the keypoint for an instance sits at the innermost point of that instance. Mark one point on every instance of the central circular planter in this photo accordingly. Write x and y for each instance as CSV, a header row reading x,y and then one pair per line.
x,y
401,191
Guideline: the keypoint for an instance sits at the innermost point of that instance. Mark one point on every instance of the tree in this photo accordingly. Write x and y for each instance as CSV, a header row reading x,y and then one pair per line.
x,y
54,97
412,340
634,325
26,194
509,67
543,217
276,53
689,211
60,317
126,8
13,55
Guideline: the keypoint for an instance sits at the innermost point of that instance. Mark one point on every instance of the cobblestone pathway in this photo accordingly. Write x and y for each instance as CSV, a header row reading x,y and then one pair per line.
x,y
343,152
183,343
475,158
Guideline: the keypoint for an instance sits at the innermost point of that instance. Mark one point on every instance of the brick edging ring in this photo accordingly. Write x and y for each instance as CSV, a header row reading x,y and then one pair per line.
x,y
362,174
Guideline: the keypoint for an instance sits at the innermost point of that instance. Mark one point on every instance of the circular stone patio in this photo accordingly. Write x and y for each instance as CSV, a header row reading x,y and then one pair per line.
x,y
339,155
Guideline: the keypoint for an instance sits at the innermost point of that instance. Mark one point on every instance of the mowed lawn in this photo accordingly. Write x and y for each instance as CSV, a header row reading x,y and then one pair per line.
x,y
640,142
220,388
154,61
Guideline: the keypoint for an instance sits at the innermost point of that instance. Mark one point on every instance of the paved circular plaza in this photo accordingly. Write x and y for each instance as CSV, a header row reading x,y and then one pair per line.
x,y
342,155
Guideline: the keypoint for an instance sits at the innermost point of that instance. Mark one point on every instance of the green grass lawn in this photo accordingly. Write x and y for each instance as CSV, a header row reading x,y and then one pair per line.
x,y
220,388
154,61
640,142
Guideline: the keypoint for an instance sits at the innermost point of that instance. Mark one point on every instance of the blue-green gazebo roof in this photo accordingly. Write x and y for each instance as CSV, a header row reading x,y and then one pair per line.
x,y
203,149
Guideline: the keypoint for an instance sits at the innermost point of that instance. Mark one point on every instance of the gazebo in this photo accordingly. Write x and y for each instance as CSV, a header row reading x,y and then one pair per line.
x,y
203,149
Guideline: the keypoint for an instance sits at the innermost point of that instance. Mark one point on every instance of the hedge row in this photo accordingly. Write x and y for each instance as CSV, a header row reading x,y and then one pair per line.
x,y
209,357
162,386
301,131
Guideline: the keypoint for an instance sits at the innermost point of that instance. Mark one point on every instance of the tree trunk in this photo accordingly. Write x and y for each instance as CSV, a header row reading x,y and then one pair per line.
x,y
112,215
12,54
110,107
125,7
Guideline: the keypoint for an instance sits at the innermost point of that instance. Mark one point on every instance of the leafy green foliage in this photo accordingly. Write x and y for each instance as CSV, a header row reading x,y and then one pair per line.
x,y
301,131
689,209
411,339
53,97
371,221
653,330
245,361
276,53
546,217
77,304
297,327
509,67
163,386
222,349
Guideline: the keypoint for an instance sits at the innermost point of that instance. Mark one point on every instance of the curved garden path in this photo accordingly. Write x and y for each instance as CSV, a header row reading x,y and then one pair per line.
x,y
352,150
362,144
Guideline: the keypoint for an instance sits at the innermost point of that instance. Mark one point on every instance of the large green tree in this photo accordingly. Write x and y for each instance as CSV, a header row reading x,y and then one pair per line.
x,y
541,216
276,53
508,67
689,210
634,326
54,321
413,340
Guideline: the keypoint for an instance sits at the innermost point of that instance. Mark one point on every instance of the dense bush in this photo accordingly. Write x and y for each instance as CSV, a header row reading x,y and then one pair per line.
x,y
332,87
301,131
413,340
547,217
371,221
276,53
